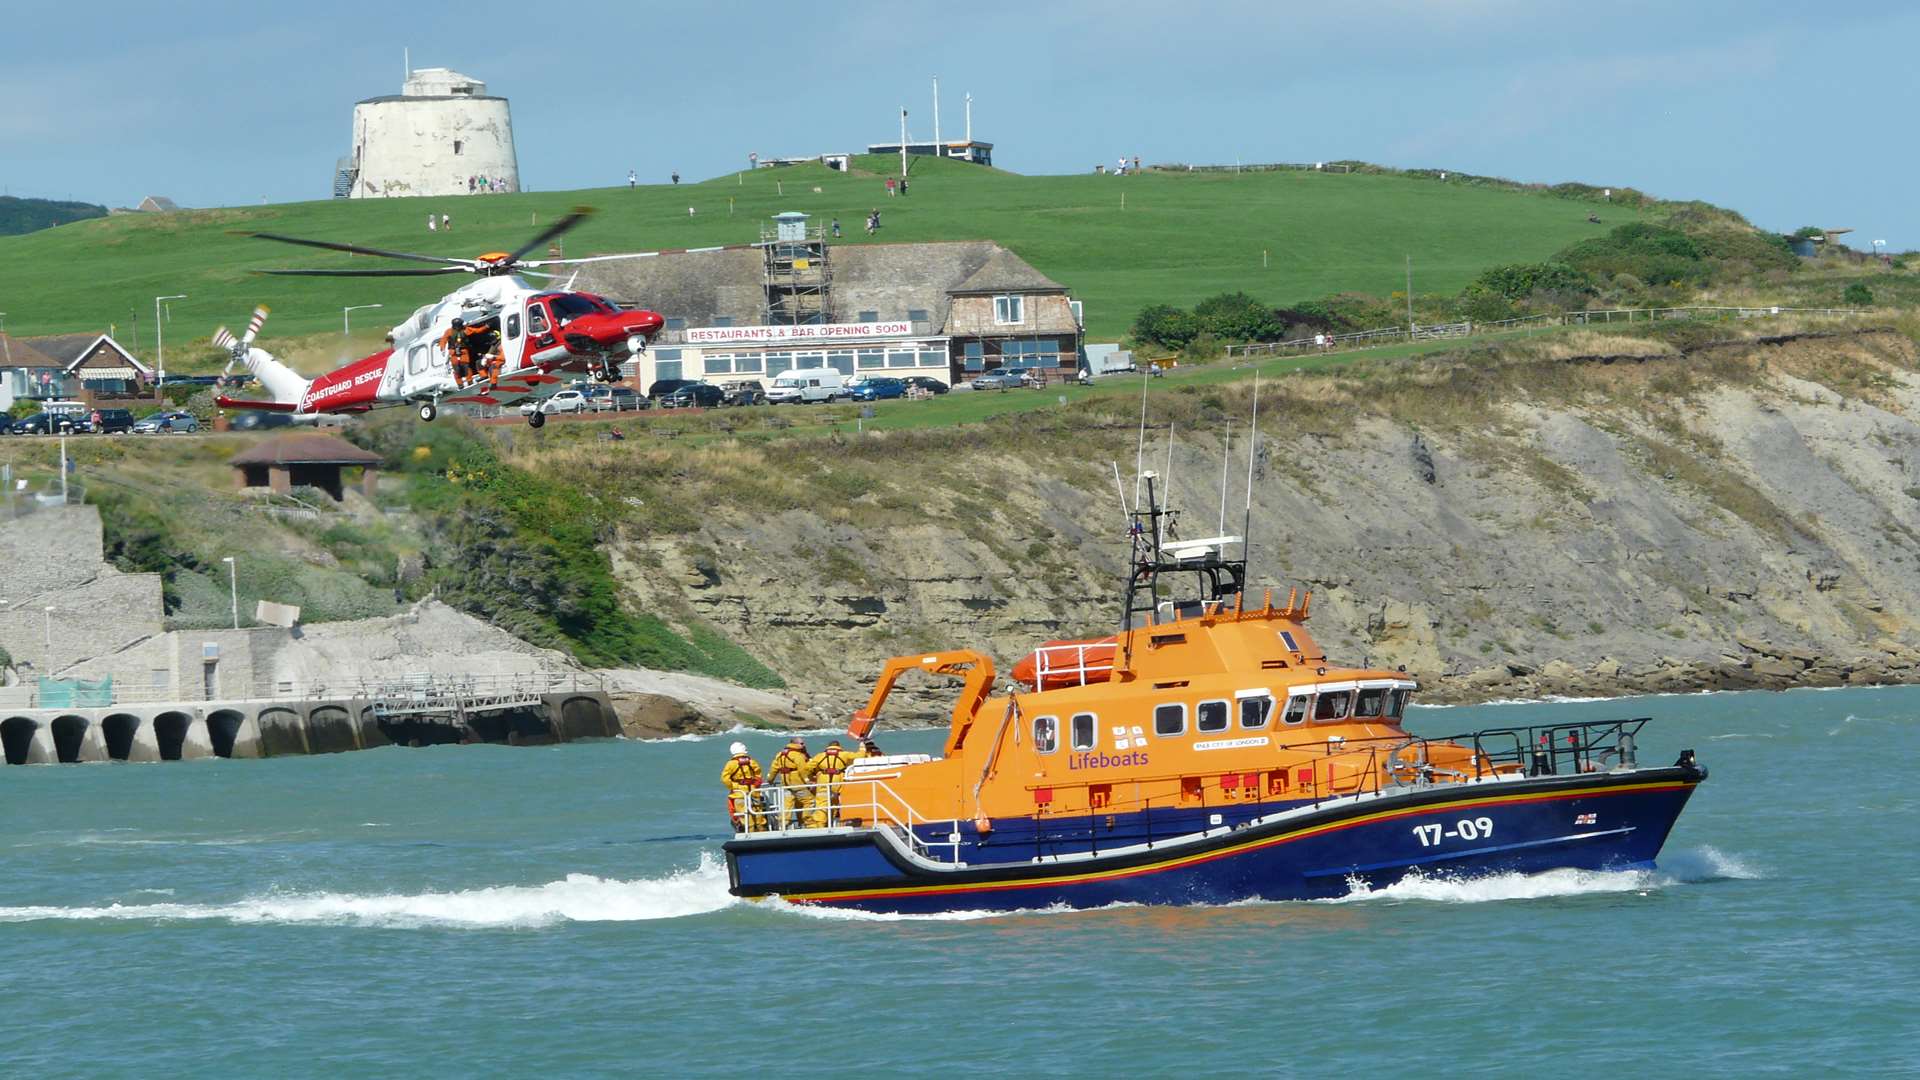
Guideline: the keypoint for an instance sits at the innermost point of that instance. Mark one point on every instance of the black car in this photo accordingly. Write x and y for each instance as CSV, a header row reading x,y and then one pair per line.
x,y
746,392
662,387
113,422
694,395
259,420
925,382
45,423
6,424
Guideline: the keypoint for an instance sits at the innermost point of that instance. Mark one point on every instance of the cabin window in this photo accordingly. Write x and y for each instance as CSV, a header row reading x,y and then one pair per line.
x,y
513,325
1210,716
1297,709
1046,734
1255,711
1334,706
536,321
1169,720
1372,702
1396,704
1085,732
417,359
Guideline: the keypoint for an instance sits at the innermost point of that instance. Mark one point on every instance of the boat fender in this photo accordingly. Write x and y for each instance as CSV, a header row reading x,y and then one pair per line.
x,y
983,823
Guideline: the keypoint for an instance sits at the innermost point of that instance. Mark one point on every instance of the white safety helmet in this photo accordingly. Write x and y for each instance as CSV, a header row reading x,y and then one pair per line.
x,y
737,749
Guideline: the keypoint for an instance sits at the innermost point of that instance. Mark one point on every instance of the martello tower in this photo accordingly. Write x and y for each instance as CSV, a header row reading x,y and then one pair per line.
x,y
441,135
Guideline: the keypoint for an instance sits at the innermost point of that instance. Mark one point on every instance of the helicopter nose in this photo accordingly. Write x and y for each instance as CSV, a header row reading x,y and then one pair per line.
x,y
647,323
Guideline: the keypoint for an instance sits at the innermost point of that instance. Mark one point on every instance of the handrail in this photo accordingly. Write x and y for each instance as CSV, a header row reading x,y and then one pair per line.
x,y
775,811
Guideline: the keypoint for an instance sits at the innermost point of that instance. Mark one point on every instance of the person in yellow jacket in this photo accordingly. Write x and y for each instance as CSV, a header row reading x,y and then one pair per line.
x,y
787,772
826,771
741,774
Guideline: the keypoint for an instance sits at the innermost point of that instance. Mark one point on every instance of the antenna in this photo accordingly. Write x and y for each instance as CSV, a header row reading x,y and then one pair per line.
x,y
1120,490
1253,444
1140,451
406,61
1226,454
969,120
1167,474
936,117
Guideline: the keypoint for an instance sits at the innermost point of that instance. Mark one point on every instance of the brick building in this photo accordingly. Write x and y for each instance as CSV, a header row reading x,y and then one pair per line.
x,y
91,368
309,460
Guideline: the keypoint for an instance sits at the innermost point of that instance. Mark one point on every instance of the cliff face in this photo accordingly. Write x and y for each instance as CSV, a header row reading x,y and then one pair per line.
x,y
1601,515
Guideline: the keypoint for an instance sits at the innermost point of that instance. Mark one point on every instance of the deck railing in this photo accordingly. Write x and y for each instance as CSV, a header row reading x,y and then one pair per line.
x,y
870,803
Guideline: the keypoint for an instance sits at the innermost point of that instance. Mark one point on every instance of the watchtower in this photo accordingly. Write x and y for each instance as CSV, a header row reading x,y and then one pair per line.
x,y
443,134
799,278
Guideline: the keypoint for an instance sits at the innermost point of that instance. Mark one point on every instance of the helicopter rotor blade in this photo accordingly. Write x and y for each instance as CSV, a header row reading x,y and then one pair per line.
x,y
641,255
356,249
367,273
575,217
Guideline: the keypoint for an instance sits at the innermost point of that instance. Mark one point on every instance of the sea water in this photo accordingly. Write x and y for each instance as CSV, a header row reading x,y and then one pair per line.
x,y
478,910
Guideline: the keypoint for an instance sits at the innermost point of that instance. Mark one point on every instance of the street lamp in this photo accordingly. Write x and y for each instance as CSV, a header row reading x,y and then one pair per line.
x,y
159,347
233,588
49,610
346,316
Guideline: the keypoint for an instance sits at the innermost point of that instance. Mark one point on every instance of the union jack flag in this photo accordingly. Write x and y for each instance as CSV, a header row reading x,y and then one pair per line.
x,y
1586,819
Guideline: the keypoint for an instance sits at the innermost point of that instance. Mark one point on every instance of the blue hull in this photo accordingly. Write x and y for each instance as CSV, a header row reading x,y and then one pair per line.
x,y
1593,822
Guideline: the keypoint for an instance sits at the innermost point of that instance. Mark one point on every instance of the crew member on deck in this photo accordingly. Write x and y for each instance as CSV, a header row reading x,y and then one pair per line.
x,y
826,771
458,341
788,772
741,774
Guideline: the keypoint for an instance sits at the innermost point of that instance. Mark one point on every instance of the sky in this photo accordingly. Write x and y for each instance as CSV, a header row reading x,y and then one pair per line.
x,y
1791,113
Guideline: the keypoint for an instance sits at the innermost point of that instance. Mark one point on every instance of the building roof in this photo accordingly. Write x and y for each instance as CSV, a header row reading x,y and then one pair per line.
x,y
889,279
304,449
157,204
19,353
72,350
1006,272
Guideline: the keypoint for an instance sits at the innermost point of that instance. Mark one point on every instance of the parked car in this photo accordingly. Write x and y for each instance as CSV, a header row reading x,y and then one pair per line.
x,y
6,424
177,423
604,398
1000,379
259,420
566,401
878,388
926,382
662,387
694,395
746,392
112,422
46,423
802,386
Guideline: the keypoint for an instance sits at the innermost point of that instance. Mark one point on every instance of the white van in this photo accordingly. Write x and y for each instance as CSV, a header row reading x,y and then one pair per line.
x,y
803,386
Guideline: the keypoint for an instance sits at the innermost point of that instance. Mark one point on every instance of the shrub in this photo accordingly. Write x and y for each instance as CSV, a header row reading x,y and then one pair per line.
x,y
1858,295
1655,254
1163,324
1480,304
1236,315
1521,280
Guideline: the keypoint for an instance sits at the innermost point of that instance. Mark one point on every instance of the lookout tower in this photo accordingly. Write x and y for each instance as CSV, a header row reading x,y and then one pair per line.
x,y
799,280
441,135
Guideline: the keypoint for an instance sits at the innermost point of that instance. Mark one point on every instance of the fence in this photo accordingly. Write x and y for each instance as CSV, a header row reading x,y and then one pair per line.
x,y
1388,335
426,691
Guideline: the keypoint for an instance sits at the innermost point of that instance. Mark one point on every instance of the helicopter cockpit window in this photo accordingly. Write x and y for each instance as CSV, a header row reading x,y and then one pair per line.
x,y
536,320
567,308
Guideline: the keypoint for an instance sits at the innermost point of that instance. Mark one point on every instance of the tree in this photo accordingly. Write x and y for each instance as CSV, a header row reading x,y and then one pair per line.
x,y
1165,325
1858,295
1237,316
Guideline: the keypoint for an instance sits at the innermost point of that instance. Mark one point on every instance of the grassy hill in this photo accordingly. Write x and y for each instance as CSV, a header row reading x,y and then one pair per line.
x,y
1179,237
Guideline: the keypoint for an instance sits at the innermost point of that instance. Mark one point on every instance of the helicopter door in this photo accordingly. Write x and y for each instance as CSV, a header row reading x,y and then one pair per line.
x,y
539,329
510,338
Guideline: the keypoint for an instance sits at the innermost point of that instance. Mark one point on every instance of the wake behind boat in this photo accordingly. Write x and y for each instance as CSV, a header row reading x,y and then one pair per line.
x,y
1208,753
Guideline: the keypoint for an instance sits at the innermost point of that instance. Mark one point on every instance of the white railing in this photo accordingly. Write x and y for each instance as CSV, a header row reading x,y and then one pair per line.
x,y
1368,338
870,803
1075,666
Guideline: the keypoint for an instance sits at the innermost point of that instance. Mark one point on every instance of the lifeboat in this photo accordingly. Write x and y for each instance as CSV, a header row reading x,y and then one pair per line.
x,y
1067,663
1207,752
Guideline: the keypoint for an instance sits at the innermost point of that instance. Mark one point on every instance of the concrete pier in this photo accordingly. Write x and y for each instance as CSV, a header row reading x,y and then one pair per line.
x,y
276,727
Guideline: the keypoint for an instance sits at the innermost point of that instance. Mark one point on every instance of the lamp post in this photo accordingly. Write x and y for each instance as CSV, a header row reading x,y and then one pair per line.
x,y
49,610
159,347
233,588
346,316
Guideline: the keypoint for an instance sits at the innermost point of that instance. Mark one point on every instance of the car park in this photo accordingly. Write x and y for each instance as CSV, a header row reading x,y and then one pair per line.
x,y
877,388
746,392
1000,379
926,383
177,423
259,420
694,395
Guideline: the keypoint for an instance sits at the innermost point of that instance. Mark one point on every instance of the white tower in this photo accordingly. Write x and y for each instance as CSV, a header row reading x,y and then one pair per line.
x,y
439,135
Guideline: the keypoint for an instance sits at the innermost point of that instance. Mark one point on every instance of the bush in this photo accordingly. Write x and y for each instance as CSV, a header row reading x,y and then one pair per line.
x,y
1521,280
1237,316
1655,254
1163,324
1483,305
1858,295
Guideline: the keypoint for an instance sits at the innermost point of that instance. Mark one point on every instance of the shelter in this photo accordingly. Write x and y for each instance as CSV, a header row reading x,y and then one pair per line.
x,y
309,460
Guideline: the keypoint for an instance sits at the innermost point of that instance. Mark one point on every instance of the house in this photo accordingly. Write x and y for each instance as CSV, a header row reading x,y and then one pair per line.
x,y
1007,312
95,368
306,460
27,374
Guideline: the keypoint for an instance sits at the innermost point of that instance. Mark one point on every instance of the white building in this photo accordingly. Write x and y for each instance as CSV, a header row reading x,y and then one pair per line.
x,y
441,135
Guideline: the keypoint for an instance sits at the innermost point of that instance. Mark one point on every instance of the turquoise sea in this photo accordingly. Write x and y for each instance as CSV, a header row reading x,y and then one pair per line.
x,y
494,911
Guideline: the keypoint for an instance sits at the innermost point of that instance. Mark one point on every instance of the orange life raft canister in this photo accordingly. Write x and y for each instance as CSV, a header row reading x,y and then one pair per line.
x,y
1067,663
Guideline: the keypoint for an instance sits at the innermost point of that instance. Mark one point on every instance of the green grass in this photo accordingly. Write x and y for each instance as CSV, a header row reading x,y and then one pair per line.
x,y
1179,238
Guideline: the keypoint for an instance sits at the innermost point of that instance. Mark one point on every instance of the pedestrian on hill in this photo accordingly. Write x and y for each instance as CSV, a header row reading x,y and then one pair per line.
x,y
472,182
676,176
1136,163
890,191
446,223
689,211
873,221
903,187
632,180
433,223
836,228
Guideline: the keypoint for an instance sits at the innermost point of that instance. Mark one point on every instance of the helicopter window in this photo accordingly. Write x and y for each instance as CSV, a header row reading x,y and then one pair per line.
x,y
417,359
536,319
513,325
1372,703
1086,730
569,307
1210,716
1297,709
1169,720
1255,711
1334,706
1046,734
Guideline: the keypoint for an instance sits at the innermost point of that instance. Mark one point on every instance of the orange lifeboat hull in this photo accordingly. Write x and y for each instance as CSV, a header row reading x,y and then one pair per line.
x,y
1059,664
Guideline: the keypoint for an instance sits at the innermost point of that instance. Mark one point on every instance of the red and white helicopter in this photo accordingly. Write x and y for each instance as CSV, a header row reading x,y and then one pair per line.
x,y
541,335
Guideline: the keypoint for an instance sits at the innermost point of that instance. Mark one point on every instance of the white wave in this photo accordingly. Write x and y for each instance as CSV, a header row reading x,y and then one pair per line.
x,y
575,898
1740,735
830,912
1677,868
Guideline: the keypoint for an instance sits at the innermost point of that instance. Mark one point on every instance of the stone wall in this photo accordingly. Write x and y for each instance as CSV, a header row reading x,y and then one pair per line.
x,y
53,558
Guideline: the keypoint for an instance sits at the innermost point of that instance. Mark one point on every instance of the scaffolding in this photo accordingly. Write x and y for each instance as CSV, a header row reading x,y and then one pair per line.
x,y
799,277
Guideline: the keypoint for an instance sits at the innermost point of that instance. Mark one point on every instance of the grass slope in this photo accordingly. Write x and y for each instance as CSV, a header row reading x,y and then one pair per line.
x,y
1179,238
